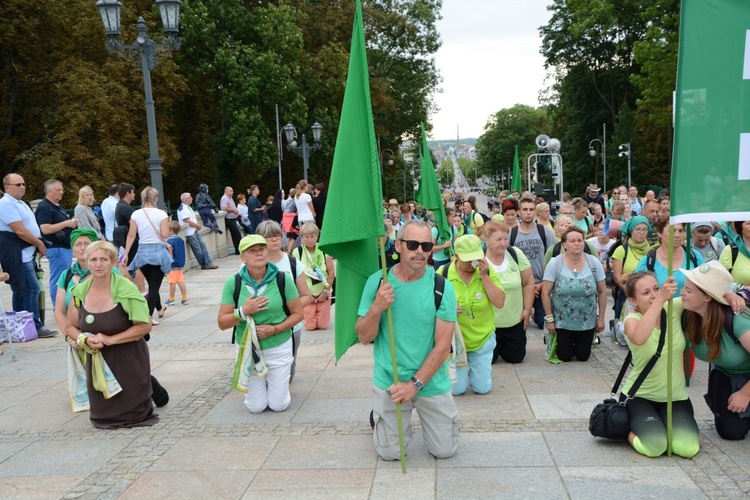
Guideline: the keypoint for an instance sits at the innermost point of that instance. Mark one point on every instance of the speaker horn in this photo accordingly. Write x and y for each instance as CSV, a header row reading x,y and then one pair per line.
x,y
553,145
542,141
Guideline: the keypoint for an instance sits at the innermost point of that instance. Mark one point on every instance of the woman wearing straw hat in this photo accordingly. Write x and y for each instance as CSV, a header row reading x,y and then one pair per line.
x,y
720,338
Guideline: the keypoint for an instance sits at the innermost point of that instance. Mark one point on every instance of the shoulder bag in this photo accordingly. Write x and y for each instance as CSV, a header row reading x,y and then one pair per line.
x,y
610,418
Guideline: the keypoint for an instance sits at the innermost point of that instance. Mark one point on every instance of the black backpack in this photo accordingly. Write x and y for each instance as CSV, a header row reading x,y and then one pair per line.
x,y
735,253
439,288
485,218
651,260
540,230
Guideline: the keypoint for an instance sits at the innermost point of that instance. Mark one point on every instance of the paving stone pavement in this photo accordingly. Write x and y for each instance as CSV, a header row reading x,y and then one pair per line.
x,y
528,438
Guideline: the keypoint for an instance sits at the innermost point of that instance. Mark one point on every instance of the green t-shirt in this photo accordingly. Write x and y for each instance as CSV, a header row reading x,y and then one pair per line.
x,y
634,257
440,255
584,223
654,388
741,269
733,358
414,329
509,273
273,315
477,317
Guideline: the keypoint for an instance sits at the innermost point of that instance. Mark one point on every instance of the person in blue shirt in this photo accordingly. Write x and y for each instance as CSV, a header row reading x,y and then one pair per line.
x,y
175,276
657,260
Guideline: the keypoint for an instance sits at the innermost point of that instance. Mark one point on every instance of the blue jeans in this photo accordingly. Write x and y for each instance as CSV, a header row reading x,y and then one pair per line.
x,y
28,300
199,249
60,260
479,377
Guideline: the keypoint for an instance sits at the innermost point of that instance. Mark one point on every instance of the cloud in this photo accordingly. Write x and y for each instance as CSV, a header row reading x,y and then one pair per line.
x,y
489,60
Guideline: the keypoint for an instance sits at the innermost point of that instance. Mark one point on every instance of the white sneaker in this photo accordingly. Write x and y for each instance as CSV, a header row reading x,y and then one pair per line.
x,y
154,321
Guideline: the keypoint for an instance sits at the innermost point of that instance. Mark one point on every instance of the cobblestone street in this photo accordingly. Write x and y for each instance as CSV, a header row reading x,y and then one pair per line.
x,y
528,438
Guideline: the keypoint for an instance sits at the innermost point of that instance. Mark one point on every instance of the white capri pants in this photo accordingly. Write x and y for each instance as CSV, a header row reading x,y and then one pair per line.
x,y
272,391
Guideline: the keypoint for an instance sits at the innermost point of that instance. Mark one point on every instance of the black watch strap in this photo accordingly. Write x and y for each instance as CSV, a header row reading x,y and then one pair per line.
x,y
417,383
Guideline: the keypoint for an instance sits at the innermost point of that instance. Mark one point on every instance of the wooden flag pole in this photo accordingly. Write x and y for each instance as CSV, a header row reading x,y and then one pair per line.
x,y
688,358
389,313
670,252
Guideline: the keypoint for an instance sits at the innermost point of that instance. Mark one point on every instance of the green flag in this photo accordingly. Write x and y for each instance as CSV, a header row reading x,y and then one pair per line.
x,y
428,193
515,185
353,217
711,161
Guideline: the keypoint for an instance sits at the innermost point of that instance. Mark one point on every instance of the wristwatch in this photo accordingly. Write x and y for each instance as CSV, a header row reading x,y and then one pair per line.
x,y
417,383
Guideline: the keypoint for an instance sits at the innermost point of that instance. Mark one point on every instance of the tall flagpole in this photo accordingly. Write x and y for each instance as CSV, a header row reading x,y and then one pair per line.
x,y
670,252
392,338
278,144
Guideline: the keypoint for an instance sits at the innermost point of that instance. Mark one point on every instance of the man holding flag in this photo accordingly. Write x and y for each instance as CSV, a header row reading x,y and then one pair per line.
x,y
423,322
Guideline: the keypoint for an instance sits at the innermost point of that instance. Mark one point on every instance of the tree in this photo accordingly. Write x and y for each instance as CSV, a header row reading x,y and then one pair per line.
x,y
614,64
510,127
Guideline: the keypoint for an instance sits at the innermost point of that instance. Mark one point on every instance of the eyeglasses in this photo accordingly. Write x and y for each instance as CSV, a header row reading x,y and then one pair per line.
x,y
640,230
273,237
615,192
413,245
468,312
17,184
82,244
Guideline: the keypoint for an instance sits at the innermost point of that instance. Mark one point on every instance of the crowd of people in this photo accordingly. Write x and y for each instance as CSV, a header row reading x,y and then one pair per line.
x,y
107,264
461,297
521,265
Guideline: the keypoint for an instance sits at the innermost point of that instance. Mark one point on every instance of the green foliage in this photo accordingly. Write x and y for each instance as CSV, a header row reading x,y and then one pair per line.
x,y
70,110
614,63
467,167
516,126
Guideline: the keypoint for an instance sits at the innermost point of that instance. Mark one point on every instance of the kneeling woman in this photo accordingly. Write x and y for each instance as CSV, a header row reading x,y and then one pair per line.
x,y
109,318
647,410
722,339
260,298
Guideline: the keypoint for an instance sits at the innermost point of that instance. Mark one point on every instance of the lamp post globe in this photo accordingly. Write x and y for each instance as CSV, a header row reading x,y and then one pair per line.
x,y
170,15
109,10
305,150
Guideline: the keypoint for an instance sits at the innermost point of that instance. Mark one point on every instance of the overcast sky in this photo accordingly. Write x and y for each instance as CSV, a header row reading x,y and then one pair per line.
x,y
489,60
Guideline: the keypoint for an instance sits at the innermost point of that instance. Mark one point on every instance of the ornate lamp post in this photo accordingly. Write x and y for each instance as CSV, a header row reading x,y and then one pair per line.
x,y
143,54
306,149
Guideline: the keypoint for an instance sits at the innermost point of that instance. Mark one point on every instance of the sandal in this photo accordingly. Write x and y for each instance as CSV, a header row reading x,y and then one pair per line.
x,y
163,310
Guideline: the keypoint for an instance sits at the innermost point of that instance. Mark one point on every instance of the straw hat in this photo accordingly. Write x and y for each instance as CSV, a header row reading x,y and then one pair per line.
x,y
711,277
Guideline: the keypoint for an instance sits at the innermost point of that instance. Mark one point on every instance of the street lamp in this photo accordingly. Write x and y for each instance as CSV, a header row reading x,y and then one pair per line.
x,y
143,54
625,151
592,153
382,163
306,149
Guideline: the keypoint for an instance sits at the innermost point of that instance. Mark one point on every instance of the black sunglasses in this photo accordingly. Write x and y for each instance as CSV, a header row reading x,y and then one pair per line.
x,y
413,245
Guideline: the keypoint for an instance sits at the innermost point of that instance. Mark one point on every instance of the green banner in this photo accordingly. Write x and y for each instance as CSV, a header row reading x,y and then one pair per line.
x,y
711,163
354,213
